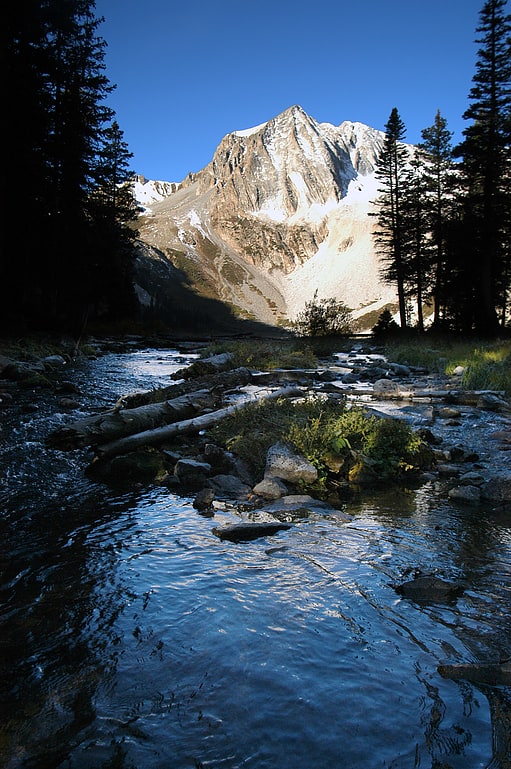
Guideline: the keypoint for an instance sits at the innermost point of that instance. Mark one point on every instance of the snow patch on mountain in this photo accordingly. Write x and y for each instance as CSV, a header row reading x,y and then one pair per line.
x,y
147,192
250,131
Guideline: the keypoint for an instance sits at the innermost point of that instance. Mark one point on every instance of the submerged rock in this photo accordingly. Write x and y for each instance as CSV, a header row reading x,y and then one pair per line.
x,y
429,588
247,532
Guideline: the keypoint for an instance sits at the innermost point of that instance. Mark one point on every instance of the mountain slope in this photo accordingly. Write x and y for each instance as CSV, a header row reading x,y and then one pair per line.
x,y
280,212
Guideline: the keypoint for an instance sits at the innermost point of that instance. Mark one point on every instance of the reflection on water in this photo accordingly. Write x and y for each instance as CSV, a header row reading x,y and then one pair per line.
x,y
133,637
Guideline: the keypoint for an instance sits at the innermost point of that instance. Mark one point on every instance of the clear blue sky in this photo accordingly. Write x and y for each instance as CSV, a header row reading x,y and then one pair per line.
x,y
189,72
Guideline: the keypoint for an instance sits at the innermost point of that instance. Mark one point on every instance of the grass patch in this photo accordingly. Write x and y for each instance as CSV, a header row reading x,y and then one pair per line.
x,y
333,438
487,365
267,355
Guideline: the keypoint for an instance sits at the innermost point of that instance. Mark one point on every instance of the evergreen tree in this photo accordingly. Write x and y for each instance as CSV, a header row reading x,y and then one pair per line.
x,y
113,209
74,254
440,181
486,159
416,235
390,234
24,168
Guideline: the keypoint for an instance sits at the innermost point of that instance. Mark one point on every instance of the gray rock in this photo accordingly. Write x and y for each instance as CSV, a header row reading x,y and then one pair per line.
x,y
492,402
400,370
448,471
497,489
472,478
230,487
270,488
189,472
302,506
447,412
498,674
469,494
385,387
283,462
203,502
53,361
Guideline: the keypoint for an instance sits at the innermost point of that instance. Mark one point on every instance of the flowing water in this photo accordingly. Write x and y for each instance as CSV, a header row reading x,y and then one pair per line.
x,y
132,637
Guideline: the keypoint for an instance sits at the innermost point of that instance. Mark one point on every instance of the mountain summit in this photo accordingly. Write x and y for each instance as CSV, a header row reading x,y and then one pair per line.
x,y
280,212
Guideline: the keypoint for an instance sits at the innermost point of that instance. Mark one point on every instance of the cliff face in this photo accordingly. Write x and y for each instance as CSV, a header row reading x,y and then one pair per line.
x,y
280,211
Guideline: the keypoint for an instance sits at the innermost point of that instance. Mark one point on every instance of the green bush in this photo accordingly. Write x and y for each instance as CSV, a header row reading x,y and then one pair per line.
x,y
324,317
327,433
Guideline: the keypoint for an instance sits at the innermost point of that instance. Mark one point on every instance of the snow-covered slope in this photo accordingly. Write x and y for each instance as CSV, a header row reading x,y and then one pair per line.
x,y
147,192
282,210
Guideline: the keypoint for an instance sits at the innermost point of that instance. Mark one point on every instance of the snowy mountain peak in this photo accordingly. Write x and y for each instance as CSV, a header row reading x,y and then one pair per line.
x,y
279,212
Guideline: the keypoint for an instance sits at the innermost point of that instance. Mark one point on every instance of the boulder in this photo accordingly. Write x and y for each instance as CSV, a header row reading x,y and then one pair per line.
x,y
497,489
203,502
190,472
141,466
386,387
270,488
282,461
493,402
51,362
299,506
230,487
448,412
470,495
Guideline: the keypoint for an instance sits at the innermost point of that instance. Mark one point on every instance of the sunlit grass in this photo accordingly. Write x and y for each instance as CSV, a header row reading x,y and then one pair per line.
x,y
267,355
486,365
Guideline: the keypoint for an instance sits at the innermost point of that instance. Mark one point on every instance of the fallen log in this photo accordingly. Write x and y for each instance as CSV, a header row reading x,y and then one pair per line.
x,y
498,674
118,423
196,424
237,377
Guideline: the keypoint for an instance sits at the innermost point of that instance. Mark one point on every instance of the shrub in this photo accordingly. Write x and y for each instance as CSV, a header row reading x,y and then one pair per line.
x,y
324,317
322,430
386,326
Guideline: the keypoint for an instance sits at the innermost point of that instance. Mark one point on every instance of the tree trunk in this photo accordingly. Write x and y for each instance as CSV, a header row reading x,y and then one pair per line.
x,y
118,423
161,434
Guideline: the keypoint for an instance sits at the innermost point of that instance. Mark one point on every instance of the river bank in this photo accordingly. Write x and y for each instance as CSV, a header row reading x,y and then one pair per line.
x,y
133,635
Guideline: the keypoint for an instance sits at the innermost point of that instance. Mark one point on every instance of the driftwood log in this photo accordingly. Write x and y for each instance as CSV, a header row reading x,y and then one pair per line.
x,y
236,377
116,424
498,674
160,434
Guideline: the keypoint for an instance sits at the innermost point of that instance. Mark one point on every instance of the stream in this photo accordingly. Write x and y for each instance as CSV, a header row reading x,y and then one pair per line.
x,y
133,638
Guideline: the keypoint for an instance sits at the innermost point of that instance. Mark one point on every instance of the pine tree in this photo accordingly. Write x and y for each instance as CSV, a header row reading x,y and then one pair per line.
x,y
24,170
390,235
113,209
440,180
64,152
78,88
416,235
486,162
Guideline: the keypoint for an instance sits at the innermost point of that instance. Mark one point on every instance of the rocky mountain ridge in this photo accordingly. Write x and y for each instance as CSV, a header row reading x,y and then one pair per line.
x,y
280,212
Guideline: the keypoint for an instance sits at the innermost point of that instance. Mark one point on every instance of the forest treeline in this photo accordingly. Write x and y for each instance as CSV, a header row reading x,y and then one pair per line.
x,y
443,212
69,218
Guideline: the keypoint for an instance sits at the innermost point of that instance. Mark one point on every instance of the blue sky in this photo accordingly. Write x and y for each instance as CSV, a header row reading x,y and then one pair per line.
x,y
189,72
